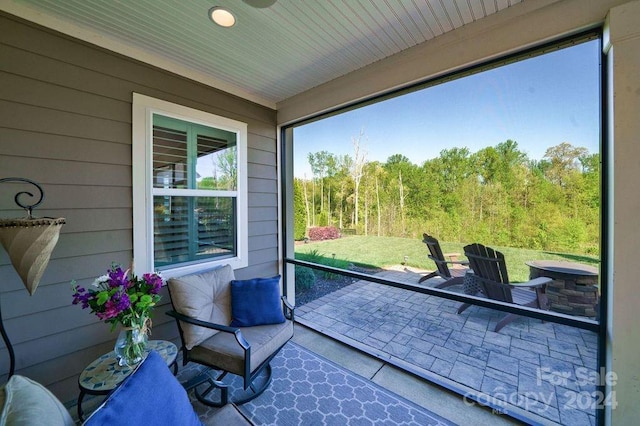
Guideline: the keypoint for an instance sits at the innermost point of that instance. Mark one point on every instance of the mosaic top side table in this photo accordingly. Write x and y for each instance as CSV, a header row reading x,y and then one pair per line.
x,y
105,374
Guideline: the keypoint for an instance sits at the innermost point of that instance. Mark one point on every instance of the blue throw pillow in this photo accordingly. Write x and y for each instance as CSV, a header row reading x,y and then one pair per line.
x,y
256,302
151,395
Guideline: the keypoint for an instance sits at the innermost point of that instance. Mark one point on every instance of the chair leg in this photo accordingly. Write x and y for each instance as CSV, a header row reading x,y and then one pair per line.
x,y
450,282
463,307
214,383
542,299
426,277
504,321
217,383
257,390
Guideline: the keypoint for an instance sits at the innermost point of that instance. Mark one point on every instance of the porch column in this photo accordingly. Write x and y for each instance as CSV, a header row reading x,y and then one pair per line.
x,y
622,45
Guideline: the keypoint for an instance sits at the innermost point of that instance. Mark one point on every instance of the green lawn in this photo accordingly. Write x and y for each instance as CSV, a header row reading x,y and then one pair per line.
x,y
386,251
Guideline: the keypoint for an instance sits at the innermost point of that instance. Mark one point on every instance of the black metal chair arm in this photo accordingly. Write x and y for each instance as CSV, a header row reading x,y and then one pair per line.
x,y
290,309
224,328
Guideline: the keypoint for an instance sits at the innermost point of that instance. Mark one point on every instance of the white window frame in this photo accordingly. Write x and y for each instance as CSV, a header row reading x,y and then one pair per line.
x,y
142,180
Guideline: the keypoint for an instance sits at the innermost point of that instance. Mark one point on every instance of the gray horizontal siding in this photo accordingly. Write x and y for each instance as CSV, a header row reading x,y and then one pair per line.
x,y
259,156
22,143
65,122
263,227
262,185
262,171
263,200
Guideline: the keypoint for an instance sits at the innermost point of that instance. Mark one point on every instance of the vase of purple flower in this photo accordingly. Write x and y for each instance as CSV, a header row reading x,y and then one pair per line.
x,y
130,345
121,298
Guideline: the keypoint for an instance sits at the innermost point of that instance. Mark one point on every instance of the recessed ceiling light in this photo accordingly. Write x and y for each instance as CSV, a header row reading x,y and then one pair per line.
x,y
222,16
260,4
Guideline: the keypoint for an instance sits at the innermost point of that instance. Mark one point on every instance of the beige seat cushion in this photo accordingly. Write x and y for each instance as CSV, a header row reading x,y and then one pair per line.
x,y
222,350
205,296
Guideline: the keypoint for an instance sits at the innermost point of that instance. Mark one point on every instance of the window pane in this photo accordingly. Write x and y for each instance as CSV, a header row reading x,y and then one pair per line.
x,y
217,163
189,229
189,155
169,158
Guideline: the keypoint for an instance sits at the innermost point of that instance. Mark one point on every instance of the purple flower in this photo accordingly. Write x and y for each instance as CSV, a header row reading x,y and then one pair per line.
x,y
118,278
81,296
111,296
118,303
123,303
78,291
154,281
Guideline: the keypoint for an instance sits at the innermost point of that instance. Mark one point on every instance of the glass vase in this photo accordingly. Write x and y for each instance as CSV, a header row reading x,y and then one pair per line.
x,y
130,346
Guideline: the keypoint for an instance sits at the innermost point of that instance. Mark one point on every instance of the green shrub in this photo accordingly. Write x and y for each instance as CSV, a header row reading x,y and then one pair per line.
x,y
305,278
299,212
314,256
311,256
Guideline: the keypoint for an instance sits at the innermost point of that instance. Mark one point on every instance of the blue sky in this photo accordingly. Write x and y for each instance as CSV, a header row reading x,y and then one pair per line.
x,y
539,103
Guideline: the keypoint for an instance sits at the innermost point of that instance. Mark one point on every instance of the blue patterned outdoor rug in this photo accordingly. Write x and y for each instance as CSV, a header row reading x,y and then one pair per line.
x,y
310,390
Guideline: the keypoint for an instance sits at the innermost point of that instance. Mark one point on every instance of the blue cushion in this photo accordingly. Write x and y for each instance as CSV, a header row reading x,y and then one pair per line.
x,y
151,395
256,302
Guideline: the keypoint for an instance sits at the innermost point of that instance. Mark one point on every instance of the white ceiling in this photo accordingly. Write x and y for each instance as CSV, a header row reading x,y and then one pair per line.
x,y
271,53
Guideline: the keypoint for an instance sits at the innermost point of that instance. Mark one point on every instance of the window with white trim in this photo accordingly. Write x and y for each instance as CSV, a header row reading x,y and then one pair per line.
x,y
189,188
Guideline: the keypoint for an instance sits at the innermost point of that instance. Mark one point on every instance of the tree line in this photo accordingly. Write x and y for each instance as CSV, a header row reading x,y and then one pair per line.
x,y
496,196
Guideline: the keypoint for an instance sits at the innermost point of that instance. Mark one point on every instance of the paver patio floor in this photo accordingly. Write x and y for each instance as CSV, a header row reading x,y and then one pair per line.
x,y
546,369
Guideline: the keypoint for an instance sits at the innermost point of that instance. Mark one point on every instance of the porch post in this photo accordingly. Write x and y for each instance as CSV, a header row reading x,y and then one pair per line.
x,y
622,46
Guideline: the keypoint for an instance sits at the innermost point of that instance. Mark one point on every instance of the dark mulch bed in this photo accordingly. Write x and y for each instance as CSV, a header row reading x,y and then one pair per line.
x,y
324,285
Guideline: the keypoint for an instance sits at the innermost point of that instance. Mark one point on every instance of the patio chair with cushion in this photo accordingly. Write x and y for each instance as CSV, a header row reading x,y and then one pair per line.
x,y
490,268
231,326
452,275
